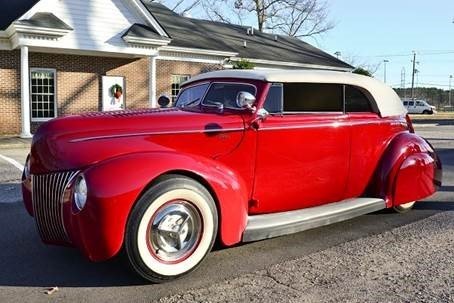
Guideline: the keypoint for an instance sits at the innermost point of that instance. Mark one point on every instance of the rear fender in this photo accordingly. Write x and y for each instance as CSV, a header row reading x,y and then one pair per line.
x,y
116,184
408,171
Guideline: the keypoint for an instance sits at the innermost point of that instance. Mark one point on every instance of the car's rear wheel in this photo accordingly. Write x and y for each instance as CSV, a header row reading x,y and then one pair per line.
x,y
171,229
403,208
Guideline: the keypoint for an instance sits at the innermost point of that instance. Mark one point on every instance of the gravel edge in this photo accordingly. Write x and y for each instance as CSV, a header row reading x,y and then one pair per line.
x,y
412,263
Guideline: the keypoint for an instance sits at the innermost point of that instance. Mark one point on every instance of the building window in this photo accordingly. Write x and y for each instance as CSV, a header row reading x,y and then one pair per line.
x,y
176,82
42,94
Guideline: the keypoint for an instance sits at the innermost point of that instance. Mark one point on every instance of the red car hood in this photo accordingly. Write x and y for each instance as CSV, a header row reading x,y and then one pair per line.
x,y
74,142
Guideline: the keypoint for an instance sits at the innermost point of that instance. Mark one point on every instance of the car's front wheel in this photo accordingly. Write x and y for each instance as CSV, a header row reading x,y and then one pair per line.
x,y
427,112
171,229
403,208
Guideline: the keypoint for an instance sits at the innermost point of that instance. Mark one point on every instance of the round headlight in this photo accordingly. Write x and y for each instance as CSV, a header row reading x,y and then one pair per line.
x,y
80,192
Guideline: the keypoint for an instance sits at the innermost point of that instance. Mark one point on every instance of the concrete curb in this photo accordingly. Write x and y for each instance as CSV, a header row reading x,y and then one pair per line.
x,y
433,121
14,142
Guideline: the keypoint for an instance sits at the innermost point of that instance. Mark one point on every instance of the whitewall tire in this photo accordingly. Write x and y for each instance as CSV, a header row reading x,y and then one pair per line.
x,y
171,229
403,208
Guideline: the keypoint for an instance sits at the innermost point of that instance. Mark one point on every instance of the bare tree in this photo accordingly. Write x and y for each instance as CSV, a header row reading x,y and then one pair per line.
x,y
355,61
297,18
181,6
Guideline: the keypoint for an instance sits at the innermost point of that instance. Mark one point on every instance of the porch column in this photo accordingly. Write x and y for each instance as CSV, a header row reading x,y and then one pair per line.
x,y
152,81
25,93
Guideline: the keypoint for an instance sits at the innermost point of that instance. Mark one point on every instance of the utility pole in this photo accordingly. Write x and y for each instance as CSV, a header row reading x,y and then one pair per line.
x,y
450,104
402,82
385,61
413,77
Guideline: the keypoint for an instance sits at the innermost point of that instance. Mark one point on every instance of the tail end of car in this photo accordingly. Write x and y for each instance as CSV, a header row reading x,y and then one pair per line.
x,y
410,170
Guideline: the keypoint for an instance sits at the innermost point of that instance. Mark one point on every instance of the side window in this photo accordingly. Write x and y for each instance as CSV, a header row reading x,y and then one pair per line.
x,y
406,103
273,101
411,103
356,101
176,81
226,93
418,103
313,97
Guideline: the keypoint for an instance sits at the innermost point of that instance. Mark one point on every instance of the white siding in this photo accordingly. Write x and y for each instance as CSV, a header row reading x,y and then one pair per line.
x,y
98,24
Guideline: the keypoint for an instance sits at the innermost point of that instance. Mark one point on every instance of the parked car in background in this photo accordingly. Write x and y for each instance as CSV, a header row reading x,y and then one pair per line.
x,y
419,107
244,156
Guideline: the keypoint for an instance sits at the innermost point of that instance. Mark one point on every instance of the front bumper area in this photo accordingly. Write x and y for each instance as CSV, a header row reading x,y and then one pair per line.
x,y
48,198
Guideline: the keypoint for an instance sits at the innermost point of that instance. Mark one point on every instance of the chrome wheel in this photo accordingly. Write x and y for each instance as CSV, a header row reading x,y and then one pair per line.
x,y
174,231
171,228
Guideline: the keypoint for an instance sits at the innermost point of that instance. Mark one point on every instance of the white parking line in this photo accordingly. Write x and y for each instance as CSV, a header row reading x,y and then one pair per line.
x,y
13,162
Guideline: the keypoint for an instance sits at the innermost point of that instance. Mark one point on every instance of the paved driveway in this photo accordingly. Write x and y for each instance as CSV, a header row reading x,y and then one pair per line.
x,y
28,267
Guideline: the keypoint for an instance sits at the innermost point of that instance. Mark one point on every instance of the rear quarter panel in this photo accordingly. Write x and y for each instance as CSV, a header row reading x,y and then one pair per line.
x,y
408,171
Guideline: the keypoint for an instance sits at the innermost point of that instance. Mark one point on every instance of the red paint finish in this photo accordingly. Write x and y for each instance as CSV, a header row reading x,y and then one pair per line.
x,y
305,156
422,166
393,181
369,137
284,163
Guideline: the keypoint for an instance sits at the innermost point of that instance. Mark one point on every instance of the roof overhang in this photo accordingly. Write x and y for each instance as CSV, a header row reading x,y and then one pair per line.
x,y
199,51
146,41
15,28
151,20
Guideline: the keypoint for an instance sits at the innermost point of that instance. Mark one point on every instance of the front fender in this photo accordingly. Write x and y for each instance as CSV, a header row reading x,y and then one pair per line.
x,y
116,184
408,171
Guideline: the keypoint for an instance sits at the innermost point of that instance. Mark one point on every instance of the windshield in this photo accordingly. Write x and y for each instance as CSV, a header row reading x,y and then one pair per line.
x,y
218,93
191,96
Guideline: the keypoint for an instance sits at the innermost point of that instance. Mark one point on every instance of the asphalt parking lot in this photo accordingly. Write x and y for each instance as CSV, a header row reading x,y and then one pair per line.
x,y
310,266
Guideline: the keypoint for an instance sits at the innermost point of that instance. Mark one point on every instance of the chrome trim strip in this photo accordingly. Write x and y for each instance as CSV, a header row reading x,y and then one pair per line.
x,y
344,122
330,124
196,131
278,224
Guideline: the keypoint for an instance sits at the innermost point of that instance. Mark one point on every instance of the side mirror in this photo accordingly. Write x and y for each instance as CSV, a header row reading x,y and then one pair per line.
x,y
163,101
245,100
261,116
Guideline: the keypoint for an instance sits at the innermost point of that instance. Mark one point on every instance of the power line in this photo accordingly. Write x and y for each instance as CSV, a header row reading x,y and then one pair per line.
x,y
419,53
421,83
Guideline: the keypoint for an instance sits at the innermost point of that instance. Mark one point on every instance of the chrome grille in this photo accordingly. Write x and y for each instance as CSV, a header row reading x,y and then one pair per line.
x,y
47,196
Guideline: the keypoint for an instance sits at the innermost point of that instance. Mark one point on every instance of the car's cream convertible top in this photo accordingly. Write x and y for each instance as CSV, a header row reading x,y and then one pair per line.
x,y
388,102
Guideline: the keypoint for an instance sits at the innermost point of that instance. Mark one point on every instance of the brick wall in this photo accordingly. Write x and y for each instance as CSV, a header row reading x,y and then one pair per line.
x,y
79,82
9,92
166,68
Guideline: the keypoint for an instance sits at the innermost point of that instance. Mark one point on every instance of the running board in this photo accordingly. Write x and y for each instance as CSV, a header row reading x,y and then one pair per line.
x,y
277,224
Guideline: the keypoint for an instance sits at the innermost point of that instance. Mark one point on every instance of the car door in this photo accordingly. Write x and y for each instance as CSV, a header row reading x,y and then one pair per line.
x,y
369,136
302,148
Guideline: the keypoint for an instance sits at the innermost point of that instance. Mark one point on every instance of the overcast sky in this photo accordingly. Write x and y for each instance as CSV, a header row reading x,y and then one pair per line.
x,y
372,31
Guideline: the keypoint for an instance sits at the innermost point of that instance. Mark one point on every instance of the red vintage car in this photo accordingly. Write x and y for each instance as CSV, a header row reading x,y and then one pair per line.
x,y
242,156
